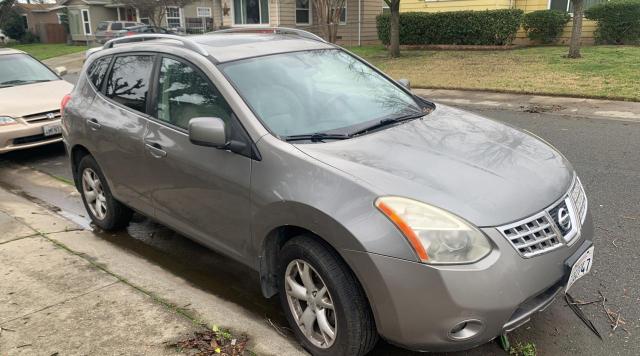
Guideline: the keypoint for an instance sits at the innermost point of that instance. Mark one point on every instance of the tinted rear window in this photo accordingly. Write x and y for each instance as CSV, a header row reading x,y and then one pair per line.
x,y
97,70
116,26
102,26
128,83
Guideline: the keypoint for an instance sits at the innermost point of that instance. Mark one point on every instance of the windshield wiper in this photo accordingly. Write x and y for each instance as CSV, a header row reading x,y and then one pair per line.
x,y
389,121
316,137
21,81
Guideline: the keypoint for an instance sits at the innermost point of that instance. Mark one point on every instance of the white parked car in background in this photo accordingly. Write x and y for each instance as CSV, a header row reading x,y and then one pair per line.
x,y
30,96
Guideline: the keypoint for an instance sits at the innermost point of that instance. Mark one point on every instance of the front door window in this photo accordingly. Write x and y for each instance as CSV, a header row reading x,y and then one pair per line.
x,y
251,12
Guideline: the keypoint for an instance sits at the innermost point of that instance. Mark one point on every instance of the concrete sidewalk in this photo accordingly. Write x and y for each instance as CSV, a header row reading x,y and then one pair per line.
x,y
566,106
64,290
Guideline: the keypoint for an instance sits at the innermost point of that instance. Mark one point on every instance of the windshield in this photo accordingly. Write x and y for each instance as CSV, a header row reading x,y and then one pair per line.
x,y
317,91
18,69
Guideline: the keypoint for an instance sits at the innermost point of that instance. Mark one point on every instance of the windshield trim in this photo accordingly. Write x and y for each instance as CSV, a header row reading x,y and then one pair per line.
x,y
420,102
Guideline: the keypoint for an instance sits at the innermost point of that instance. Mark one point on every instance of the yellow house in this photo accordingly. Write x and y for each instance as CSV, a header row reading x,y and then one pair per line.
x,y
588,26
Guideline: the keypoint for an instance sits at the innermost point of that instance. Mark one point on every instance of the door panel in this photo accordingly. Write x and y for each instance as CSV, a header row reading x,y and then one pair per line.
x,y
201,191
117,128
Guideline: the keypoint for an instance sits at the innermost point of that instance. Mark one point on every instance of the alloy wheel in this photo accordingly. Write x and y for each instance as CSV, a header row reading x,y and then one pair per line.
x,y
94,193
310,303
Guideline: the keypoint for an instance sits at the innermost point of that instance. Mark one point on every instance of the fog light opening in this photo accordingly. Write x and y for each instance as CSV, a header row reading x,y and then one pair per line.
x,y
465,330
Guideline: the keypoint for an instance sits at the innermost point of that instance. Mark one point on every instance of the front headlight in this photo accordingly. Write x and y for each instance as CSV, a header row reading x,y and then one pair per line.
x,y
7,120
437,236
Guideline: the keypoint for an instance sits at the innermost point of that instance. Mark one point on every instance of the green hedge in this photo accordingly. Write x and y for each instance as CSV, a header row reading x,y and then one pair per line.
x,y
545,25
618,22
491,27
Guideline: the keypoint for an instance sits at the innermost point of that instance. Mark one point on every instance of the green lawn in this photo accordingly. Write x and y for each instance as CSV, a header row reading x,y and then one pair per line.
x,y
48,50
603,72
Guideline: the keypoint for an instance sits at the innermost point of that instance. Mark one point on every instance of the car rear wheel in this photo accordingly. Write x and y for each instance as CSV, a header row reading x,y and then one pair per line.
x,y
105,211
323,301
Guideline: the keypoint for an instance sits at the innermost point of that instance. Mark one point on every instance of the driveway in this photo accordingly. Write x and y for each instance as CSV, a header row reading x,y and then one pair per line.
x,y
606,154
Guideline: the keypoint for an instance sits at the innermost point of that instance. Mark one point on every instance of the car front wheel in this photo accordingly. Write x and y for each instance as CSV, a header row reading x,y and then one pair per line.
x,y
323,301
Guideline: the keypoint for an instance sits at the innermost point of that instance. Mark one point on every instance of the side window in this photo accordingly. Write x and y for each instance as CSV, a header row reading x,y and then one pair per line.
x,y
97,70
128,83
184,93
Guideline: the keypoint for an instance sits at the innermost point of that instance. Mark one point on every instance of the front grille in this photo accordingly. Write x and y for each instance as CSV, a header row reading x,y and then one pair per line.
x,y
579,198
534,236
551,228
34,138
43,116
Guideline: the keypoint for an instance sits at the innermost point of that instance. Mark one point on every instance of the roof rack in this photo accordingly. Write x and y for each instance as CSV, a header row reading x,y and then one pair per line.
x,y
275,30
187,43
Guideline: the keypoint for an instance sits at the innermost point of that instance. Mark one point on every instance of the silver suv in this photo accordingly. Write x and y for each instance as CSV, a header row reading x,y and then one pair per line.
x,y
368,210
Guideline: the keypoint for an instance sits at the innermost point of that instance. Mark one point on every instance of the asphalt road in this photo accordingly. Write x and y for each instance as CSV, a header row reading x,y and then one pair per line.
x,y
606,155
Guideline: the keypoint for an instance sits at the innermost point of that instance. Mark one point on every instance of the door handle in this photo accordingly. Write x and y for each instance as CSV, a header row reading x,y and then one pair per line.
x,y
94,124
156,150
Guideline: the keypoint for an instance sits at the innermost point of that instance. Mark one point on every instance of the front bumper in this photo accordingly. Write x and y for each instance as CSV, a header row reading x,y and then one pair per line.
x,y
26,135
416,306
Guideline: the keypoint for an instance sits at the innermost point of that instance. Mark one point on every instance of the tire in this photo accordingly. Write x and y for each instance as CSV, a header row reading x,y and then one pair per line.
x,y
110,214
351,318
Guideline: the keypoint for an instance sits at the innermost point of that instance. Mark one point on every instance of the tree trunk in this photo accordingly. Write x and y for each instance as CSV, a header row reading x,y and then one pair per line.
x,y
394,43
576,31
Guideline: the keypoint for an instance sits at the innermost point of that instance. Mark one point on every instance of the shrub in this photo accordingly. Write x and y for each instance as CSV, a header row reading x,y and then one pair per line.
x,y
29,37
545,25
13,26
490,27
618,21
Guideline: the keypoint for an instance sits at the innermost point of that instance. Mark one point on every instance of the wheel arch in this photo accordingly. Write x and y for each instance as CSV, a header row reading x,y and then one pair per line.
x,y
76,154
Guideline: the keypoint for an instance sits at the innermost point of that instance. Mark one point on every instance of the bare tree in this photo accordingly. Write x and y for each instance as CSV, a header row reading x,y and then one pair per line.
x,y
576,30
394,39
155,10
328,13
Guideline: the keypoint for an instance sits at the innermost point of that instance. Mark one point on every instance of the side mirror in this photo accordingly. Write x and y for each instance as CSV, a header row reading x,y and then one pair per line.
x,y
208,131
61,71
405,83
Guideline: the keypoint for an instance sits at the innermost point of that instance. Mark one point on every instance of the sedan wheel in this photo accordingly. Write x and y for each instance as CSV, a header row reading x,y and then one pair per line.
x,y
310,303
94,193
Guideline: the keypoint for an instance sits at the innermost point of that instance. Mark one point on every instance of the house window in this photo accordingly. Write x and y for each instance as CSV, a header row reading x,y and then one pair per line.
x,y
303,12
567,5
86,22
25,22
343,13
203,12
174,19
385,8
250,12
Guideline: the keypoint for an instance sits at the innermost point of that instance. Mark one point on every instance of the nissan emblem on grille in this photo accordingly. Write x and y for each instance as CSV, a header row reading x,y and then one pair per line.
x,y
564,220
50,116
561,216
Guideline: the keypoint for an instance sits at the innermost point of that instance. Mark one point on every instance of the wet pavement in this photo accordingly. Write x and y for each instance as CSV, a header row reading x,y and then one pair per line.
x,y
605,153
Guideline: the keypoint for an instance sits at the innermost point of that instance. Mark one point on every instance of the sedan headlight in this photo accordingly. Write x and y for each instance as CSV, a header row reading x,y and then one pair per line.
x,y
437,236
7,120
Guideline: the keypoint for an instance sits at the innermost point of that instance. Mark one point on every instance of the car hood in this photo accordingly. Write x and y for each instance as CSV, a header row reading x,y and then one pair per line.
x,y
484,171
21,100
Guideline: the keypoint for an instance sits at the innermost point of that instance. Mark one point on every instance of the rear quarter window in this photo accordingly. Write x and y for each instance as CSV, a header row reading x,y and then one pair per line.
x,y
97,71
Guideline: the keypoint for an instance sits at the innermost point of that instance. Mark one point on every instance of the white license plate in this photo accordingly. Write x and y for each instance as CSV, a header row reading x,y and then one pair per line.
x,y
581,267
54,129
